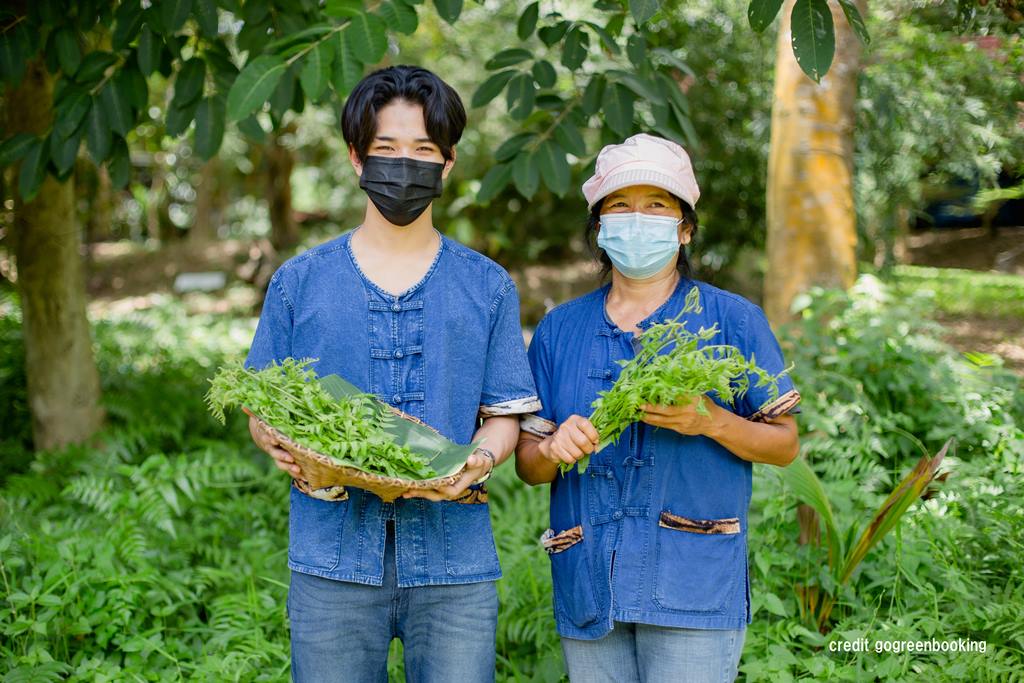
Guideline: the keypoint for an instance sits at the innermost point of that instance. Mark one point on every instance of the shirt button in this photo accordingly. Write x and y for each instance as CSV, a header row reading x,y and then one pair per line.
x,y
397,398
607,374
617,514
398,353
396,307
616,332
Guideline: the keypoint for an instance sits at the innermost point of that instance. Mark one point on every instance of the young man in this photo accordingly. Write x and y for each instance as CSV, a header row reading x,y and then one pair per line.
x,y
432,328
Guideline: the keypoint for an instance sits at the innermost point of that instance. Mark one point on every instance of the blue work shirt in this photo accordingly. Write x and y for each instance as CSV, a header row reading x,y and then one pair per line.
x,y
655,530
449,350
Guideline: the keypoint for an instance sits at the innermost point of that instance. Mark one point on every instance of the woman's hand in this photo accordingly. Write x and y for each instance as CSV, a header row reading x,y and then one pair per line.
x,y
683,418
576,438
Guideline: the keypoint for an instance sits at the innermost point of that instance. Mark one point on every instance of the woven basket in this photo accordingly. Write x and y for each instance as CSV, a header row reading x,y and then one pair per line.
x,y
320,471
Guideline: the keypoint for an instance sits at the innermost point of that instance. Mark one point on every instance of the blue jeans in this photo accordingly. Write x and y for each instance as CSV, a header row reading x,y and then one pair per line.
x,y
655,654
341,631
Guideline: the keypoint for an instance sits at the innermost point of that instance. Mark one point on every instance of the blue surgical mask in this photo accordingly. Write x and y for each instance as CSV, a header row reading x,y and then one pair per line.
x,y
638,244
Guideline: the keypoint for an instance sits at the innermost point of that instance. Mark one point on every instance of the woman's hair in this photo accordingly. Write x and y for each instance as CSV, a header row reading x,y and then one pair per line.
x,y
443,113
590,236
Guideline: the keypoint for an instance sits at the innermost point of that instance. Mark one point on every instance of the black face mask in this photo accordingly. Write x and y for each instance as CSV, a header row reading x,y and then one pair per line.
x,y
401,188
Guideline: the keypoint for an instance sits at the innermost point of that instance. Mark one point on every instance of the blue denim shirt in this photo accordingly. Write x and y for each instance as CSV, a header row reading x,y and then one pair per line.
x,y
655,530
448,351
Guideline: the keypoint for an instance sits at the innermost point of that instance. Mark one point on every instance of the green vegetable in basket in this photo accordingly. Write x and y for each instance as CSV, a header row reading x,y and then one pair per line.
x,y
671,368
350,429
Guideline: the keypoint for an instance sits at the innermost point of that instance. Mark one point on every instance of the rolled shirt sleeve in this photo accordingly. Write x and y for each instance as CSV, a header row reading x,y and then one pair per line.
x,y
508,387
761,403
541,422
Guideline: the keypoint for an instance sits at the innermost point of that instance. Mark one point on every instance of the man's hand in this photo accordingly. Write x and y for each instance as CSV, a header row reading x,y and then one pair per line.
x,y
283,460
683,418
477,466
576,438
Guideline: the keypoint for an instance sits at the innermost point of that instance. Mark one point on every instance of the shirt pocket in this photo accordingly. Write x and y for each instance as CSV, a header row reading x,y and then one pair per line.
x,y
698,562
571,576
315,531
468,541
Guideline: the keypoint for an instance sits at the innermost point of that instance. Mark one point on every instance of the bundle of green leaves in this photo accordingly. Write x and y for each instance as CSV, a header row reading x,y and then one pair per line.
x,y
351,430
673,366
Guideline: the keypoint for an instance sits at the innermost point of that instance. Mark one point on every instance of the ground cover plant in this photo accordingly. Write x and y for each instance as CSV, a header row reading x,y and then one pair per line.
x,y
159,552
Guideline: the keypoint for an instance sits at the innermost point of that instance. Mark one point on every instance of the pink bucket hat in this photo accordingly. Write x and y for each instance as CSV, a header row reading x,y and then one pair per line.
x,y
643,160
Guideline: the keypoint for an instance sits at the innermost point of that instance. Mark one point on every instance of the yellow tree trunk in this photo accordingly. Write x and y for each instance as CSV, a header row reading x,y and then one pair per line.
x,y
63,383
812,230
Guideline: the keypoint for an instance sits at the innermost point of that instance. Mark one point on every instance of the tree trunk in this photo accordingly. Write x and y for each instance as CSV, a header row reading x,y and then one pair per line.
x,y
812,227
284,231
204,227
63,383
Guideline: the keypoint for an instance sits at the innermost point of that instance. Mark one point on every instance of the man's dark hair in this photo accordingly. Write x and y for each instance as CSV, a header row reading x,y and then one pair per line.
x,y
443,113
590,236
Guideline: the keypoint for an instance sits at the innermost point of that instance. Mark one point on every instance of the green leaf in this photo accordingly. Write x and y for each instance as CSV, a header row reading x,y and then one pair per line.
x,y
120,165
494,181
761,13
340,9
508,57
287,95
174,13
64,151
400,16
94,66
70,111
618,109
574,50
178,119
643,10
640,86
15,147
68,53
636,50
127,22
116,107
150,47
554,169
511,147
33,169
855,20
316,69
209,126
592,95
297,41
528,21
607,40
14,52
251,127
521,96
254,86
205,12
449,10
368,37
544,73
133,84
569,137
814,40
491,87
549,35
97,132
347,69
526,175
188,84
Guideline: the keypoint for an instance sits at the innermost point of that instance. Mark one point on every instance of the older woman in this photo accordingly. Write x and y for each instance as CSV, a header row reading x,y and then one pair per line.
x,y
648,546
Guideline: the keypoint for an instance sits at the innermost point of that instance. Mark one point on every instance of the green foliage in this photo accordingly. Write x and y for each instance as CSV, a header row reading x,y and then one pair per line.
x,y
159,552
963,292
350,429
672,366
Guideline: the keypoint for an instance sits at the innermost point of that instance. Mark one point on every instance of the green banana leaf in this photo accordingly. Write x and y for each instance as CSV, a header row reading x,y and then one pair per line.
x,y
446,457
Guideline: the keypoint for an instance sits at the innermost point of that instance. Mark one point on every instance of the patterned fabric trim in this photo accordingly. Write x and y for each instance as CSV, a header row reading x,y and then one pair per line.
x,y
473,496
729,525
780,406
331,493
516,406
537,426
555,543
